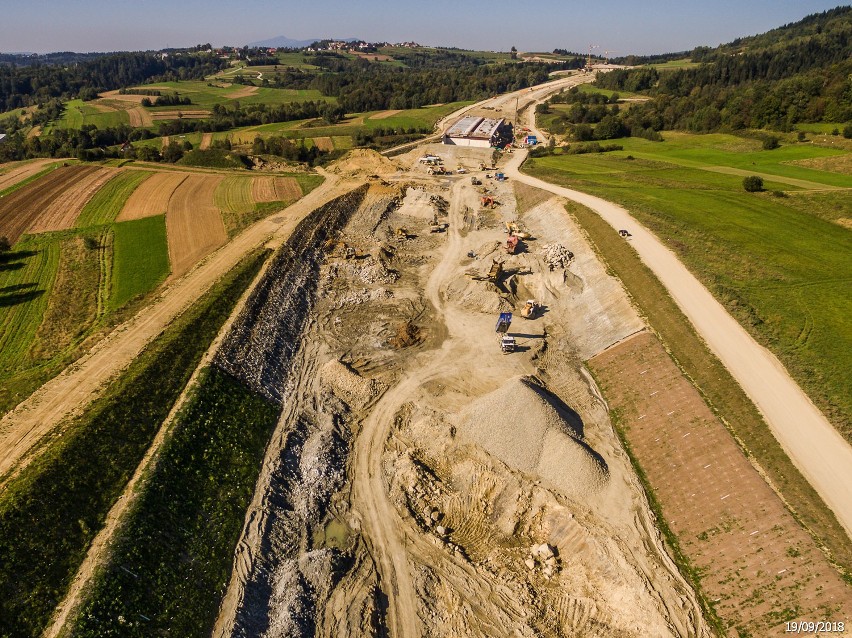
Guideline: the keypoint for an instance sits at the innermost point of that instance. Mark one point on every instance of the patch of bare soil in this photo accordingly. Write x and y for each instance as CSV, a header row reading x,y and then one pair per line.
x,y
424,483
364,162
245,91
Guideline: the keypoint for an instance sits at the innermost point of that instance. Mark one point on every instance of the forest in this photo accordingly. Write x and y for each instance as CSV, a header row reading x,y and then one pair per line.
x,y
797,73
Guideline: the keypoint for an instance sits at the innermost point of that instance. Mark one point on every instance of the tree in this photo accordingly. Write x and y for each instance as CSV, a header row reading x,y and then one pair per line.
x,y
847,131
5,244
513,53
770,142
753,183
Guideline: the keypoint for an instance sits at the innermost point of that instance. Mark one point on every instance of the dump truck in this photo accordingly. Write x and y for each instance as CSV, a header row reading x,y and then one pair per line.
x,y
475,181
507,344
530,309
503,322
514,228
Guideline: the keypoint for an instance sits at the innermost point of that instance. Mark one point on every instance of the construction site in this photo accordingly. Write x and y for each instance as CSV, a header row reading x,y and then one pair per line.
x,y
458,444
425,478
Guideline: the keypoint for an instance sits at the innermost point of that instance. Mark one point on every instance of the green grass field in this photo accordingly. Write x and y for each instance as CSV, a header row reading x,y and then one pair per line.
x,y
203,95
77,113
671,65
140,258
784,273
107,203
26,280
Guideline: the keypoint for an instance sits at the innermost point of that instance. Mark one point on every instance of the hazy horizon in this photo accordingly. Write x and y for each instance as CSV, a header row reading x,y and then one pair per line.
x,y
615,25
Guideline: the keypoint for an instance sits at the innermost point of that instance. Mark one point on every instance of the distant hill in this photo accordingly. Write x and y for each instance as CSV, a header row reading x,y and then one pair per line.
x,y
283,41
796,73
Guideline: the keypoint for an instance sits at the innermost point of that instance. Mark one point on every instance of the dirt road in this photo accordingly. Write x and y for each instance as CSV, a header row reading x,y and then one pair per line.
x,y
816,448
67,394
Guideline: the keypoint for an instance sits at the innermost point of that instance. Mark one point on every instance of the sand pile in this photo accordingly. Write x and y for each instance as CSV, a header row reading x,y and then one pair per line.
x,y
362,160
347,385
522,426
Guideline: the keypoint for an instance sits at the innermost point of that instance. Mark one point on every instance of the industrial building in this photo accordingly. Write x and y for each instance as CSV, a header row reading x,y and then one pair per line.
x,y
478,131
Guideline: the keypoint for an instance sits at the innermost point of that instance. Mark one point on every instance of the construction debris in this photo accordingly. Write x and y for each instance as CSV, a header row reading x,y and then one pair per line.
x,y
557,256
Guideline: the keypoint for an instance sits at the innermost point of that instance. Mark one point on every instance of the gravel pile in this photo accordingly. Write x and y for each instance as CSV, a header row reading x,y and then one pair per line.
x,y
557,256
522,425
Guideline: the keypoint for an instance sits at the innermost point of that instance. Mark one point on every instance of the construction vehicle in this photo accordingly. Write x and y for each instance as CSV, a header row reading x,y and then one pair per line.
x,y
402,233
461,170
507,344
475,181
437,227
482,166
436,170
487,201
512,244
530,309
496,270
624,233
503,322
515,228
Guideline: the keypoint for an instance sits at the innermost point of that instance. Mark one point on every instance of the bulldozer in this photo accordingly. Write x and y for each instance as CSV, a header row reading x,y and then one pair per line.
x,y
530,309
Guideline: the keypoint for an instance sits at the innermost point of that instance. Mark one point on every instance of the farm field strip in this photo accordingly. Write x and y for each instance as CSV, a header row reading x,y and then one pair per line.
x,y
22,209
65,208
728,522
140,259
67,492
107,203
24,293
193,222
152,196
24,171
275,189
206,141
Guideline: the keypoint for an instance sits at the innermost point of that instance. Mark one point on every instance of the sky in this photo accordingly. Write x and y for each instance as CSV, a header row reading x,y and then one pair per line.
x,y
622,26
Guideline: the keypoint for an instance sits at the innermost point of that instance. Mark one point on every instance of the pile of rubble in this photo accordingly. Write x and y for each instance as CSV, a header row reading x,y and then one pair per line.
x,y
557,256
543,558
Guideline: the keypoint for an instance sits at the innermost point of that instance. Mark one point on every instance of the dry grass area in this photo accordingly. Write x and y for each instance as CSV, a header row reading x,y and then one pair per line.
x,y
193,222
22,210
179,114
756,563
206,141
62,211
528,197
152,196
73,303
834,164
324,143
165,141
385,114
275,189
245,91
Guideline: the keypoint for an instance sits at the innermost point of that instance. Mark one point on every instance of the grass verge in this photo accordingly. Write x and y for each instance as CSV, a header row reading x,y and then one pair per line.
x,y
171,561
722,393
140,258
50,513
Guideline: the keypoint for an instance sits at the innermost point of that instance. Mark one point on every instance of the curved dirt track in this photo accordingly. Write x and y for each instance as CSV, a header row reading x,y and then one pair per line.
x,y
22,428
816,448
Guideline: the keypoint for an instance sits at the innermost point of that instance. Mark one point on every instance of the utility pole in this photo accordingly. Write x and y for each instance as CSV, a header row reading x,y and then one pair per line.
x,y
589,62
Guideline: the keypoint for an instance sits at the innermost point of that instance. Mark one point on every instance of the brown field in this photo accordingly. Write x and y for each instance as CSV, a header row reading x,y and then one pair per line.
x,y
139,117
757,565
152,196
173,115
384,114
376,57
22,209
165,141
206,141
115,95
64,209
193,223
242,92
275,189
22,172
324,143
